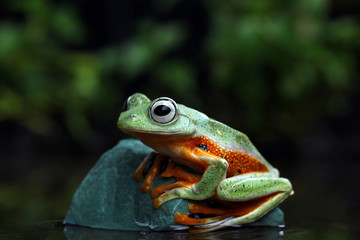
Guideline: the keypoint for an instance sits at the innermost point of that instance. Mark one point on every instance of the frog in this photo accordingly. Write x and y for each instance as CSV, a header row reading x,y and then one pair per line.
x,y
225,167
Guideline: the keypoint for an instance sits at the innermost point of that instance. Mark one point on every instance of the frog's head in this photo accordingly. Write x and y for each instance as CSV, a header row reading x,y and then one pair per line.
x,y
159,117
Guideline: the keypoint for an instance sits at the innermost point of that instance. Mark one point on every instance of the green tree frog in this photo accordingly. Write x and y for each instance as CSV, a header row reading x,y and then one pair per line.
x,y
240,186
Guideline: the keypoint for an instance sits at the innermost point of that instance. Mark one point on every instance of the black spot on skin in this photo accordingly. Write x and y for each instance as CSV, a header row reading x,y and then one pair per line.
x,y
202,146
239,171
231,161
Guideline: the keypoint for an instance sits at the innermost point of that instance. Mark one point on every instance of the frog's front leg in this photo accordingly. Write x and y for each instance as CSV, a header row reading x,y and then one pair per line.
x,y
153,165
150,168
215,172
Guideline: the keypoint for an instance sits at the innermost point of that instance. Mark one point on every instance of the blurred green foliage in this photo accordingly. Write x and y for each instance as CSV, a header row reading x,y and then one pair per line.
x,y
258,56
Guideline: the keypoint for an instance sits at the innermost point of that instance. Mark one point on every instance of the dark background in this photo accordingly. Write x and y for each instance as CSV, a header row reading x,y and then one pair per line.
x,y
286,73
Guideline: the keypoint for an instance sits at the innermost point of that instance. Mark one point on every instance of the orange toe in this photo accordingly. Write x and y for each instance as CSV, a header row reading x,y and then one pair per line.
x,y
186,220
157,202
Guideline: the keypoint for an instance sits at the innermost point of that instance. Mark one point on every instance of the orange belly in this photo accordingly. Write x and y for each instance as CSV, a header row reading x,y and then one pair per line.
x,y
182,150
239,162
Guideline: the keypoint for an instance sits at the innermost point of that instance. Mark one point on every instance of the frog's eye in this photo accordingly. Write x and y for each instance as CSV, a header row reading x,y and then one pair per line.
x,y
135,100
163,111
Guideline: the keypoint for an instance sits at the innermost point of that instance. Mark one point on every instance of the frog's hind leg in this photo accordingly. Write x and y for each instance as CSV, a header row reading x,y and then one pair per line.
x,y
202,214
242,199
242,215
205,218
251,186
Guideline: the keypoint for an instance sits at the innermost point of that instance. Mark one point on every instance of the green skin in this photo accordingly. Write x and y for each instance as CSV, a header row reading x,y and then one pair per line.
x,y
191,123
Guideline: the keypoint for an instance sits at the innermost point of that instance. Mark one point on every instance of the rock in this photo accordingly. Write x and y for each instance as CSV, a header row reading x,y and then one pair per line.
x,y
109,197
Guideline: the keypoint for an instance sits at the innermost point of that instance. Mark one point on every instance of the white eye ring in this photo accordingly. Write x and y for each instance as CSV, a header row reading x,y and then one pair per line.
x,y
163,111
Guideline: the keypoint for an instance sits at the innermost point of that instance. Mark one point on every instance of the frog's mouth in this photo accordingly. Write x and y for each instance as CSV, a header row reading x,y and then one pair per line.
x,y
154,139
182,128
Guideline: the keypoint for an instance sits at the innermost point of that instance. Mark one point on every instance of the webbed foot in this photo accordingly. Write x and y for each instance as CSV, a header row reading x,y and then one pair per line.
x,y
207,216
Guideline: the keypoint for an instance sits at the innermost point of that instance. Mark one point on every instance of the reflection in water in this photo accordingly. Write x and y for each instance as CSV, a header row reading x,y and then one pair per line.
x,y
81,233
310,229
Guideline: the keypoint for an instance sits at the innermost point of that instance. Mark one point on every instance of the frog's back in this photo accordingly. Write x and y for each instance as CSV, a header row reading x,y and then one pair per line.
x,y
230,137
232,145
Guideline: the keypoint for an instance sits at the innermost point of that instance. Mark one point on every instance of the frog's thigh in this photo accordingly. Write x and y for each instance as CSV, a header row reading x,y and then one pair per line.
x,y
242,188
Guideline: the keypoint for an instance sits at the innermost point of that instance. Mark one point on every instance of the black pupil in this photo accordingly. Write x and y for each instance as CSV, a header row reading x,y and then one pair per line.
x,y
162,110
